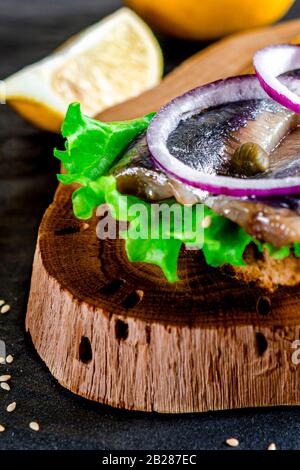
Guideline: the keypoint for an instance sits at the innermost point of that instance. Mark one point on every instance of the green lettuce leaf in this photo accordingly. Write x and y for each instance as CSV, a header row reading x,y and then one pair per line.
x,y
224,241
91,148
276,253
297,249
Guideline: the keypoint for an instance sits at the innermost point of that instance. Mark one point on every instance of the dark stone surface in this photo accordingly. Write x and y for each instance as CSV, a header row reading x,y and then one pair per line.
x,y
29,30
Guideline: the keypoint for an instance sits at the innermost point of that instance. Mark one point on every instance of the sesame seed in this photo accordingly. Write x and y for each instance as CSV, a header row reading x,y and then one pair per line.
x,y
2,302
85,226
232,442
5,378
34,426
5,308
9,359
2,428
5,386
272,446
11,407
2,360
206,221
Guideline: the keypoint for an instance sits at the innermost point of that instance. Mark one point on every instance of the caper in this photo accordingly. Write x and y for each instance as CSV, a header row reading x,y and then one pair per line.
x,y
249,159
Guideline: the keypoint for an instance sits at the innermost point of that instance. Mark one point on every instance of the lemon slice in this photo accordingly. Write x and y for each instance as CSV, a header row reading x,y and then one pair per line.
x,y
107,63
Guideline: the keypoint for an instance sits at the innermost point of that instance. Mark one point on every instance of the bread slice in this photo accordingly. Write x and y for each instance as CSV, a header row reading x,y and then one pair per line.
x,y
264,271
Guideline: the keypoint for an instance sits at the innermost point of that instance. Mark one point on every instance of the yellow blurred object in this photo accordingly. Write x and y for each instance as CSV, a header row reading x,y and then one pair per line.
x,y
109,62
296,40
208,19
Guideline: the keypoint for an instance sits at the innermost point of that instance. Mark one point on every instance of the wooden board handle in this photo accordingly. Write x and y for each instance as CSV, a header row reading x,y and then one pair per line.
x,y
206,66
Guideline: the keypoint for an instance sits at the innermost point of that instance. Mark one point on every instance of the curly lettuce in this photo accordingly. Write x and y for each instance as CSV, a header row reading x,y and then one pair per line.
x,y
91,148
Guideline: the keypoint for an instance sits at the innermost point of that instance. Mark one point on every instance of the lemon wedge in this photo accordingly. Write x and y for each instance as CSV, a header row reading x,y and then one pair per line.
x,y
107,63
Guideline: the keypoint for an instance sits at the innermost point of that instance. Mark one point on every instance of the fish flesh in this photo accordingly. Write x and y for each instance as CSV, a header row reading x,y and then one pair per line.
x,y
208,140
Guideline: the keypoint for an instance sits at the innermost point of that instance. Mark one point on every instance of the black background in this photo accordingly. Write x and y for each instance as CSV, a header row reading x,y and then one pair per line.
x,y
29,30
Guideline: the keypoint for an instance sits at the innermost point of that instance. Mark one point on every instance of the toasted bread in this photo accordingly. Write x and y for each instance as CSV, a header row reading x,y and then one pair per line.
x,y
264,271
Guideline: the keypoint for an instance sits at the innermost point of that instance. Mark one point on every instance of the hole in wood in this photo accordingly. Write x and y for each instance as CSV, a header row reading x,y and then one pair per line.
x,y
112,287
133,299
67,231
121,330
85,350
261,343
263,306
148,333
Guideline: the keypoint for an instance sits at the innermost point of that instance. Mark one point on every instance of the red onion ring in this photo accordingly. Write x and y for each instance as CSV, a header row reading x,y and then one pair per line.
x,y
269,64
233,89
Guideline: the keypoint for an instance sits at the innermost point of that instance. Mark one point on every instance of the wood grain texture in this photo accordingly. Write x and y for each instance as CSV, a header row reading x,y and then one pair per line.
x,y
118,333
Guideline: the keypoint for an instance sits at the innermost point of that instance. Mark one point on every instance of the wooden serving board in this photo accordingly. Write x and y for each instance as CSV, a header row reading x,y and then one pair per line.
x,y
119,333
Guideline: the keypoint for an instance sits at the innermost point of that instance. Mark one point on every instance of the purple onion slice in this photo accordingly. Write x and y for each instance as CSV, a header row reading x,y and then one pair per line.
x,y
269,64
231,90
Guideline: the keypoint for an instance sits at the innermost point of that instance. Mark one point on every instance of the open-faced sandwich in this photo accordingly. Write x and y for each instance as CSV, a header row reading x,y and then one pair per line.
x,y
232,146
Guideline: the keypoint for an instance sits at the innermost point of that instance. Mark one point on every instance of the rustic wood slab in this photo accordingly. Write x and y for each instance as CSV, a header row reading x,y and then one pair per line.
x,y
118,333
